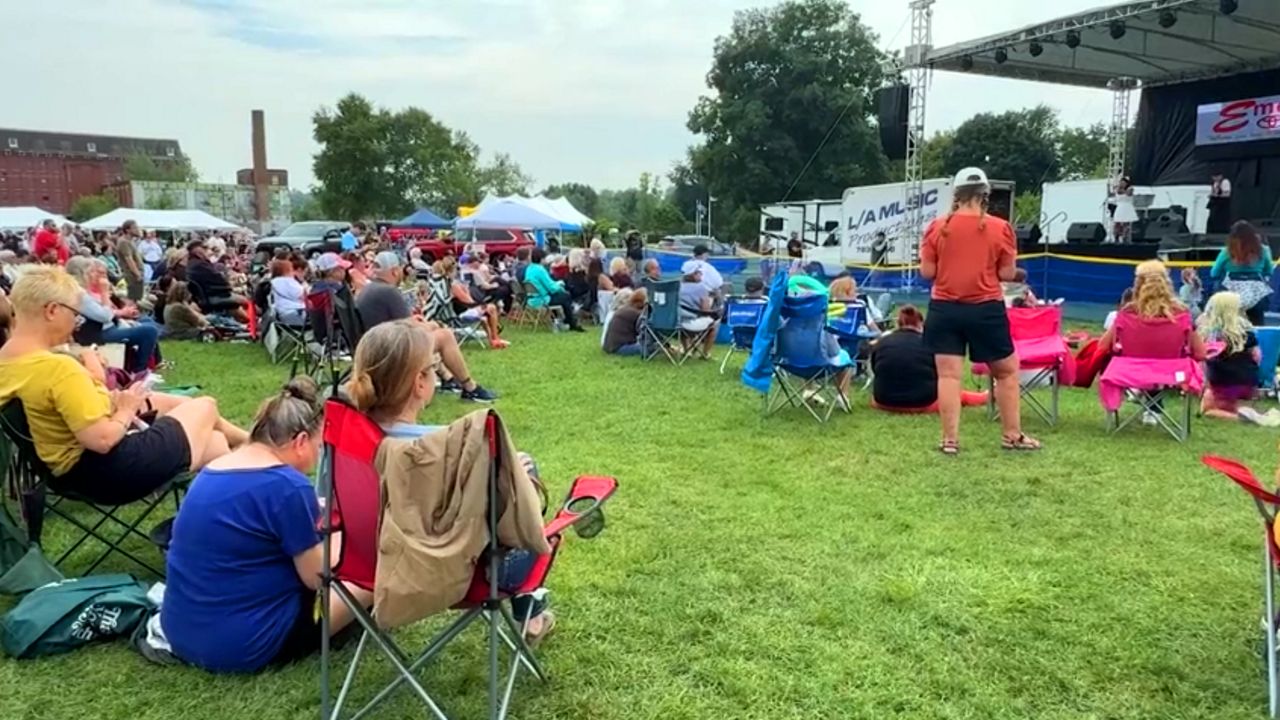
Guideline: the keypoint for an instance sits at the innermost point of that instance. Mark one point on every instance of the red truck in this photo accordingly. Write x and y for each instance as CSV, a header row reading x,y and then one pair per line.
x,y
435,245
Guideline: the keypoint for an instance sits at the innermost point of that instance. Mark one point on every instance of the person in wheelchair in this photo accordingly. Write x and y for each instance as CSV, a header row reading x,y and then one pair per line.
x,y
246,557
110,447
392,381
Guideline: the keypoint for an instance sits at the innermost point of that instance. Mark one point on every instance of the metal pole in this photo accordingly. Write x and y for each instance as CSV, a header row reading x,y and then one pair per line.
x,y
710,201
918,79
1269,587
1118,135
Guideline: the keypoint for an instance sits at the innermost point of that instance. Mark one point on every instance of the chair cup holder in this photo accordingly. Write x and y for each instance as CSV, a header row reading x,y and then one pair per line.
x,y
590,512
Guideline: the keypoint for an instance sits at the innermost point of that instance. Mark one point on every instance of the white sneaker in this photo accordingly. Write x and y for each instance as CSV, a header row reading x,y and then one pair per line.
x,y
1270,419
1149,418
1249,415
843,403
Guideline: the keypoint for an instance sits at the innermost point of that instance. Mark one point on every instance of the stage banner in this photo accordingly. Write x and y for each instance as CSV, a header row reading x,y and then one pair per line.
x,y
1248,120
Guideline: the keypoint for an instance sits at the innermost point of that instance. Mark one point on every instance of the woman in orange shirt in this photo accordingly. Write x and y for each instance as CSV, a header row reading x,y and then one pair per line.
x,y
967,254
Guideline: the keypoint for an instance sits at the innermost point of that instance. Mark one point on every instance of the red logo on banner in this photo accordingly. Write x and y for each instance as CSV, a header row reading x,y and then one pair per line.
x,y
1269,122
1234,117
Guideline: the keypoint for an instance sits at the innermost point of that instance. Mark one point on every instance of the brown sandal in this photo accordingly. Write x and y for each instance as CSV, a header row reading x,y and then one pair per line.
x,y
1022,442
950,448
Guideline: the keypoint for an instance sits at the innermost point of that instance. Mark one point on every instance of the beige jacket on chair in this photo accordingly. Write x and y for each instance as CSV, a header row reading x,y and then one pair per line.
x,y
434,517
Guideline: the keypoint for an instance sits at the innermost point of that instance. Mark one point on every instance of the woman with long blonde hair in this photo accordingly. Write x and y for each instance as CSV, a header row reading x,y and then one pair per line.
x,y
1153,294
1233,371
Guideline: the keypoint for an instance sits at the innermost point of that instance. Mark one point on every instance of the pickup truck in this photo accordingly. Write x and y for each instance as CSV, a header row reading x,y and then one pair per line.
x,y
309,238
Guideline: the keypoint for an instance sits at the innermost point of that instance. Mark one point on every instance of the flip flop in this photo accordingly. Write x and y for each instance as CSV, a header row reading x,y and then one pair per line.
x,y
1022,443
950,448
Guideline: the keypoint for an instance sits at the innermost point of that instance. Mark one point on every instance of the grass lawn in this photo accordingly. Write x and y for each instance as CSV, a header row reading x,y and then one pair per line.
x,y
774,568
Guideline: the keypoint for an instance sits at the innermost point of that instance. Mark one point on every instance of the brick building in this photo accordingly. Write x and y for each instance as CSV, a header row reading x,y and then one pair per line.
x,y
52,170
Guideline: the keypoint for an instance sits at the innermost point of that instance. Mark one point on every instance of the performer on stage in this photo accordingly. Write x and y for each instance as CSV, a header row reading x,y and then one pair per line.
x,y
1219,205
1125,214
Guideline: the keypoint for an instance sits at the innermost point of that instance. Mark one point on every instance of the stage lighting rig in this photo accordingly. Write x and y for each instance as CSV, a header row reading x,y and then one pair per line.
x,y
1228,6
1073,39
1002,56
1035,48
1168,19
1117,29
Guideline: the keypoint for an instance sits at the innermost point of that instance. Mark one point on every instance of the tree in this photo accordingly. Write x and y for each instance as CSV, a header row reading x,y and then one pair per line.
x,y
503,176
354,167
687,190
433,166
303,207
163,200
1020,145
1084,152
933,155
142,167
790,83
88,207
583,197
1026,208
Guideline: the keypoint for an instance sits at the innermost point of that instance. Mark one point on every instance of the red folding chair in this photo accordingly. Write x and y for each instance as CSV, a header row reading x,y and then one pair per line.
x,y
1267,503
352,492
1044,359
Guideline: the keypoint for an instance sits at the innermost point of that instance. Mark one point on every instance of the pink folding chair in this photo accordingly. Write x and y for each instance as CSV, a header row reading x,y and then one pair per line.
x,y
1151,363
1044,359
352,492
1267,503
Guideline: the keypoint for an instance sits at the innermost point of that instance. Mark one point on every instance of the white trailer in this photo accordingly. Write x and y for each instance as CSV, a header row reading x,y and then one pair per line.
x,y
816,223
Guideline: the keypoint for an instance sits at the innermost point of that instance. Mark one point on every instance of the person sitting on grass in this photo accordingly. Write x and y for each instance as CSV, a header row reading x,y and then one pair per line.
x,y
622,335
382,302
246,557
546,291
467,308
87,435
697,308
182,317
906,376
1232,372
391,383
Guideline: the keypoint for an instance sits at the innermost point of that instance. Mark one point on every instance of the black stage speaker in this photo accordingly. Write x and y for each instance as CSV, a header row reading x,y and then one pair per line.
x,y
1086,233
1157,230
1028,233
893,103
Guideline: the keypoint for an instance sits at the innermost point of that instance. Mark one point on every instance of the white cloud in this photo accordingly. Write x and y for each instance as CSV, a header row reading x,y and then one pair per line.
x,y
588,90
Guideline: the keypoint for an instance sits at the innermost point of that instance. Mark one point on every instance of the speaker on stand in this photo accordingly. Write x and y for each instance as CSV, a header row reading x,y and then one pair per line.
x,y
1086,233
893,103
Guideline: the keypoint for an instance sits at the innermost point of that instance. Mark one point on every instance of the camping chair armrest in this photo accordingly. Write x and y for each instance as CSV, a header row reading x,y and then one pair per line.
x,y
593,489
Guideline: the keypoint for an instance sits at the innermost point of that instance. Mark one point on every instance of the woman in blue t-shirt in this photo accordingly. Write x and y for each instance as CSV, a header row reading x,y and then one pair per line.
x,y
245,561
392,380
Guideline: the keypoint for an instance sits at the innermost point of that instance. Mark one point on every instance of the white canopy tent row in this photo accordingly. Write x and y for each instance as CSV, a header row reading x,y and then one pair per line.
x,y
569,217
160,220
21,218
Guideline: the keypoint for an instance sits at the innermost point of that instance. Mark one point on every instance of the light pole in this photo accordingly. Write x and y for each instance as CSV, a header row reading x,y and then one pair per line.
x,y
710,201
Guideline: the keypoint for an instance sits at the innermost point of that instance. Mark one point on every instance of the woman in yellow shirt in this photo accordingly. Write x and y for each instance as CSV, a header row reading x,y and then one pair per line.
x,y
84,433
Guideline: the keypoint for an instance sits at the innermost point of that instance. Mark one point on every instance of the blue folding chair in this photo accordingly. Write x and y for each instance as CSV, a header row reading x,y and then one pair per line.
x,y
851,331
1269,345
662,322
803,375
742,316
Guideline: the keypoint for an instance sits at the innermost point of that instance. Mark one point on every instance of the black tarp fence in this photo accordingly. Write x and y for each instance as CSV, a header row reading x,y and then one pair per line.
x,y
1167,152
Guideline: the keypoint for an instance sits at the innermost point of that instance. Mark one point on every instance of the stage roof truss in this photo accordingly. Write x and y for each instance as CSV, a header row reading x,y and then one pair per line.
x,y
1204,43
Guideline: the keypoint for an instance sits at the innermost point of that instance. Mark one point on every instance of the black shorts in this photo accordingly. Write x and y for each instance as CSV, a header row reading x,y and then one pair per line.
x,y
137,466
981,328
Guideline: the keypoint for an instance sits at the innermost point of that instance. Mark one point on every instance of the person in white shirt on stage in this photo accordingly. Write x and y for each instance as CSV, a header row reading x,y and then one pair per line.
x,y
1125,214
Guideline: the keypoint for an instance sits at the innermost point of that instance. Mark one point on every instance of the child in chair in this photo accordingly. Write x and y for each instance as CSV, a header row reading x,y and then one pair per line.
x,y
1232,371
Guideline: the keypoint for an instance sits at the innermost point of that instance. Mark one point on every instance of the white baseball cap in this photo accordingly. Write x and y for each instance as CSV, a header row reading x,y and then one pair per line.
x,y
970,177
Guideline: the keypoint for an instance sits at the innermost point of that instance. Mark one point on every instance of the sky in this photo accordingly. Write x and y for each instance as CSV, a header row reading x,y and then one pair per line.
x,y
593,91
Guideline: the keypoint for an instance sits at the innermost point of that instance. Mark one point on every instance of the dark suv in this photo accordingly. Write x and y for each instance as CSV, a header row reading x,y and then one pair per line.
x,y
310,238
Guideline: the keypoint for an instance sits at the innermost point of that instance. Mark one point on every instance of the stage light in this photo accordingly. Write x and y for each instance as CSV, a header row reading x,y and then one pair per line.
x,y
1117,29
1035,48
1168,19
1073,39
966,62
1002,56
1228,6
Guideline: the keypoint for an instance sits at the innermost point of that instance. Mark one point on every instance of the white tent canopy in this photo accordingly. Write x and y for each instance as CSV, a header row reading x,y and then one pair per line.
x,y
160,220
21,218
560,208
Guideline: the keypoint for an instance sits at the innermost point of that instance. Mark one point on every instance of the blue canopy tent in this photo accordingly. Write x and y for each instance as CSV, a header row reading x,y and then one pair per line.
x,y
424,218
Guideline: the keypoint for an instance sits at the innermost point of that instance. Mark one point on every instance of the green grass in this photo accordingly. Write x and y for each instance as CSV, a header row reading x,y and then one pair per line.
x,y
772,568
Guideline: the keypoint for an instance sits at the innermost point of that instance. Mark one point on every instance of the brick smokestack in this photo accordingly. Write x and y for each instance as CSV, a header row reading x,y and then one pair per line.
x,y
262,211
